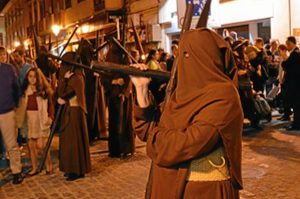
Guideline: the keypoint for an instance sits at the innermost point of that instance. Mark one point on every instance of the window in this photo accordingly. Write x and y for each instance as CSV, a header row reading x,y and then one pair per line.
x,y
264,30
242,31
1,39
42,9
68,4
98,4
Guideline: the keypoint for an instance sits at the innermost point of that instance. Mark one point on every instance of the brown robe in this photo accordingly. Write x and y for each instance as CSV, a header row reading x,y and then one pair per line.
x,y
204,112
74,154
121,140
95,98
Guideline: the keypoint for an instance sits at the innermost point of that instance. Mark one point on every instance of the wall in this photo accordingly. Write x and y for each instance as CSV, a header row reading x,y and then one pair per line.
x,y
2,30
78,11
147,8
295,17
239,12
169,23
245,10
249,11
280,20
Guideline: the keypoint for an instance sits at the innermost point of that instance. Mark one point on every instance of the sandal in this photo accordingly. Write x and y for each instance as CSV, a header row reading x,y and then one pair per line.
x,y
32,173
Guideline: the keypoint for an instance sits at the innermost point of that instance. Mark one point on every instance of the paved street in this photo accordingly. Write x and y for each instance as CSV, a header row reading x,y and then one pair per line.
x,y
271,160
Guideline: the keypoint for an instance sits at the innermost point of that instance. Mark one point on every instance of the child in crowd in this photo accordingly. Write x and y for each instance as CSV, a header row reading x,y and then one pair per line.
x,y
36,112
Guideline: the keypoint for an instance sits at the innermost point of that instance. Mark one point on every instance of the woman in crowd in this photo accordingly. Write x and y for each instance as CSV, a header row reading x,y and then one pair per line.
x,y
163,61
152,60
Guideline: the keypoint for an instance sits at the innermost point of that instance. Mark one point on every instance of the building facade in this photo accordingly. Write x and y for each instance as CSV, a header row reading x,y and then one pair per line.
x,y
2,30
268,19
158,21
16,20
23,17
274,19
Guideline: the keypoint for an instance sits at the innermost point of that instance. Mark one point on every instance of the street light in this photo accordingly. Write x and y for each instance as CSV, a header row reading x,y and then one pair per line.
x,y
56,29
85,29
16,44
26,44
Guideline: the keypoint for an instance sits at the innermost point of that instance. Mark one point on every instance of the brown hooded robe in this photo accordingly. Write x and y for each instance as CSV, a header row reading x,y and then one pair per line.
x,y
121,140
74,154
204,113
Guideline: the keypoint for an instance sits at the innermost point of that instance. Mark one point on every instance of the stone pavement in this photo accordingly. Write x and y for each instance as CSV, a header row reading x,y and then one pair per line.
x,y
110,178
271,160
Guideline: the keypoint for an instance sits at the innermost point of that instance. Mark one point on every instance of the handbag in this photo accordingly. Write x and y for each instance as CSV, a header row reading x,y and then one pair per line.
x,y
273,93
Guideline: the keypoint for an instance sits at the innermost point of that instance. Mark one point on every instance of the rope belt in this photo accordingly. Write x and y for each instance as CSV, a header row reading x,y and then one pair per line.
x,y
73,102
212,167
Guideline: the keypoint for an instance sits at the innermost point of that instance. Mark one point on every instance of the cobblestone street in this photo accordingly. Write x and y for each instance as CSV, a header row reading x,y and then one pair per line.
x,y
271,170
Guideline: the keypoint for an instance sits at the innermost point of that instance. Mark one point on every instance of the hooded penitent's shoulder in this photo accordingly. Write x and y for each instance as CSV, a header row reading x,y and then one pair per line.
x,y
204,32
199,31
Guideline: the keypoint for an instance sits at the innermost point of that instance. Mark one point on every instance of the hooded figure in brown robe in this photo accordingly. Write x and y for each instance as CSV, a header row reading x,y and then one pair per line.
x,y
121,142
74,154
195,142
94,92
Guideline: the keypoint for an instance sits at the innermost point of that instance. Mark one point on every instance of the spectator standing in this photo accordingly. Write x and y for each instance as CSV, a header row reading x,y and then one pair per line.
x,y
9,96
174,55
163,61
273,64
244,82
281,79
292,80
3,59
260,63
20,59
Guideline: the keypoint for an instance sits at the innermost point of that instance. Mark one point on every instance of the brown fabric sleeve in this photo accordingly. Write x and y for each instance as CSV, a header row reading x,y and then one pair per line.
x,y
145,119
51,108
143,122
170,147
144,113
65,91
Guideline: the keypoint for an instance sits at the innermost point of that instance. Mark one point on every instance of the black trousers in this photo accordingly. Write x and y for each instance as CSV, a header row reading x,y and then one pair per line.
x,y
296,108
294,100
286,102
248,105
